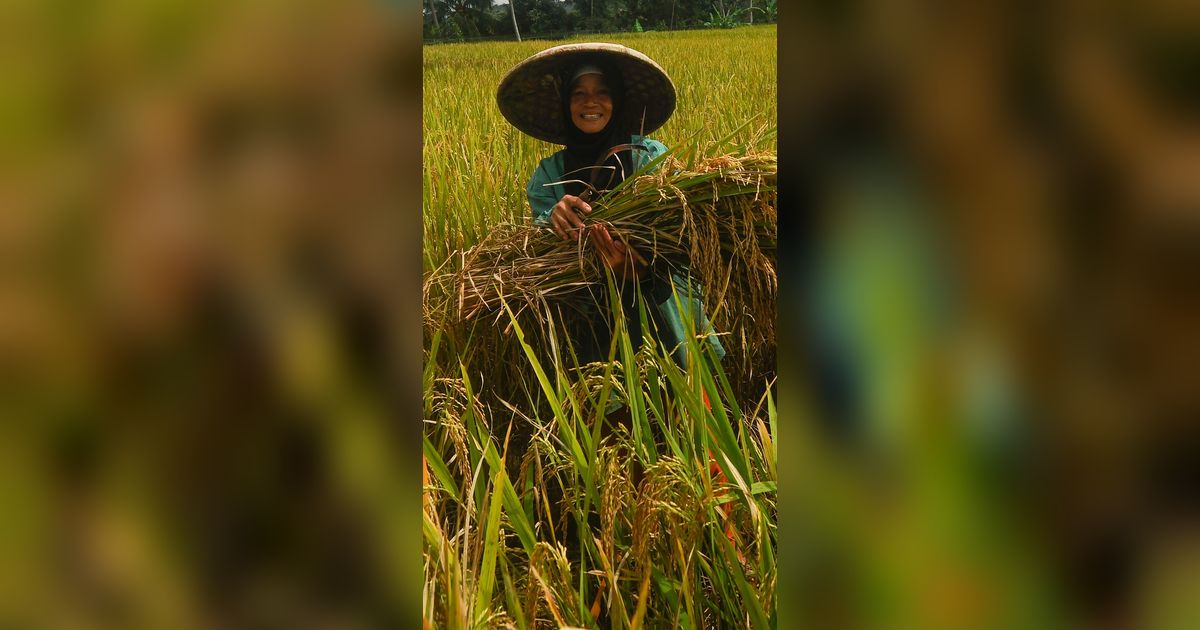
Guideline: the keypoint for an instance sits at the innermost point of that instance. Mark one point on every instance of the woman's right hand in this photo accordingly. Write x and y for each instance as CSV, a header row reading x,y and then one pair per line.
x,y
566,222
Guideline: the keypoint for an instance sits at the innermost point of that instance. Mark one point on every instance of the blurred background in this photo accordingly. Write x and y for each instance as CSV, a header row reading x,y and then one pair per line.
x,y
993,397
209,337
210,342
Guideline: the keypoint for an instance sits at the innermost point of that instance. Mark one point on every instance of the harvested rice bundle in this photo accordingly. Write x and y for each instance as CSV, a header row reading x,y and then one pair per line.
x,y
716,220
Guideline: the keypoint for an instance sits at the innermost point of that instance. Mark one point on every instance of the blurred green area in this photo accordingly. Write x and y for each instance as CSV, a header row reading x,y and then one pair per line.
x,y
990,402
210,244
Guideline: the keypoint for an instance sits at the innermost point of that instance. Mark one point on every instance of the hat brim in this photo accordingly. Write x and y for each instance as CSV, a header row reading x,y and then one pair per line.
x,y
529,96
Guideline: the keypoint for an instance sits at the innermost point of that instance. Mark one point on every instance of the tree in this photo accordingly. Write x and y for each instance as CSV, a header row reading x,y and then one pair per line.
x,y
599,15
469,13
512,9
542,16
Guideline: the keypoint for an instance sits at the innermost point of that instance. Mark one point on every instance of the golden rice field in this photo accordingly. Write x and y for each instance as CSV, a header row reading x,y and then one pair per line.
x,y
540,509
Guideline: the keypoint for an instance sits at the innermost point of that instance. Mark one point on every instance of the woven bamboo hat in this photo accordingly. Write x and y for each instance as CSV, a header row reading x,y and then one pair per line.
x,y
530,95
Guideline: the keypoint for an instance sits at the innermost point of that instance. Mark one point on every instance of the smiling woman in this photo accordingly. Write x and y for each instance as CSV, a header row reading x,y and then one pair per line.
x,y
591,100
606,96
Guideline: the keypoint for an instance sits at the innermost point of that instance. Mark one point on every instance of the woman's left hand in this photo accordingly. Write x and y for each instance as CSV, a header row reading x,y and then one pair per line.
x,y
625,261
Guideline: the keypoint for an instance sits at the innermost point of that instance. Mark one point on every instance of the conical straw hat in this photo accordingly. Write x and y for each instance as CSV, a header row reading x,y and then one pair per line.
x,y
530,98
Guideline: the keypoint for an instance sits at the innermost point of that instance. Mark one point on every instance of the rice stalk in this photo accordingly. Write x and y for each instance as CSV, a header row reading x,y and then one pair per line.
x,y
716,223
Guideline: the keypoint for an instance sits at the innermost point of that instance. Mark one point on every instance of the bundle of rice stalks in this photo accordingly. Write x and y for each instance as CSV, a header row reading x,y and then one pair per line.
x,y
715,221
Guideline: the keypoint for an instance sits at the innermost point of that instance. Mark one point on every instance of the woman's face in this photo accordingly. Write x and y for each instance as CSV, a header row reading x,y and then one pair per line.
x,y
591,103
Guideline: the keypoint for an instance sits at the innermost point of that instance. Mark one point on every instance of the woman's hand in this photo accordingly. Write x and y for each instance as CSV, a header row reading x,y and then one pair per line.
x,y
623,260
566,222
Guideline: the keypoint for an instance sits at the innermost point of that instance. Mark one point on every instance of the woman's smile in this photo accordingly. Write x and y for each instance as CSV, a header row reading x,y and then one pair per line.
x,y
591,103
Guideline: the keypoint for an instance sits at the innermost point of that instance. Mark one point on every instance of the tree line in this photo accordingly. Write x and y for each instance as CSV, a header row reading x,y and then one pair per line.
x,y
466,19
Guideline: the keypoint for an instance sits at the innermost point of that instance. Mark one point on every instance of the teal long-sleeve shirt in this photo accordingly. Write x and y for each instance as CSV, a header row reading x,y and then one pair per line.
x,y
670,314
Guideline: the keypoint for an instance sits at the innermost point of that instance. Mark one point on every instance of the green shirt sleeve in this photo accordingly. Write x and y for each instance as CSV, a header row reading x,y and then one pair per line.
x,y
542,198
654,148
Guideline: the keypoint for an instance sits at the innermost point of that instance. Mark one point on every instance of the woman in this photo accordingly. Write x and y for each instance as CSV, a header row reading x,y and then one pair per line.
x,y
597,100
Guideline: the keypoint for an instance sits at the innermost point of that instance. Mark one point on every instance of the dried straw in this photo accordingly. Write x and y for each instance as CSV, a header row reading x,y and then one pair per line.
x,y
716,220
